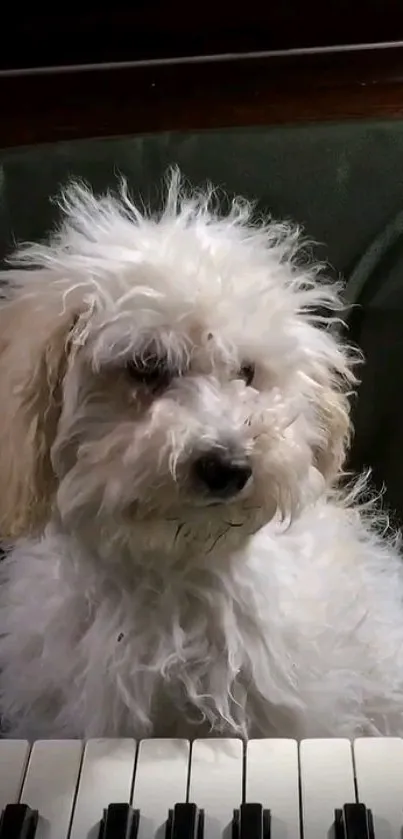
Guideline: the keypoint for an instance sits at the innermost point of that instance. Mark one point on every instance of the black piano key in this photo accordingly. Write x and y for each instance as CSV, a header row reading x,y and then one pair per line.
x,y
354,821
251,821
119,821
185,821
18,821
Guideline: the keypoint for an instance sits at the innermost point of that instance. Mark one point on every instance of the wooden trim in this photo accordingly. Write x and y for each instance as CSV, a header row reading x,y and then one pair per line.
x,y
218,92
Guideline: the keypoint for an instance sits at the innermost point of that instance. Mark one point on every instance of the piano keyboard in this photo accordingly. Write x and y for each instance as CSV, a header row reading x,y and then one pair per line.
x,y
212,789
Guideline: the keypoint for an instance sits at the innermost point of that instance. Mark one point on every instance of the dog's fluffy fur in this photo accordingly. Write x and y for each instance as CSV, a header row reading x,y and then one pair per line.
x,y
130,604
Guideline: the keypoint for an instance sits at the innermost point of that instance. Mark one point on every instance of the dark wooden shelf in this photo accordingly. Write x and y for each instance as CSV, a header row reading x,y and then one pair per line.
x,y
80,102
144,66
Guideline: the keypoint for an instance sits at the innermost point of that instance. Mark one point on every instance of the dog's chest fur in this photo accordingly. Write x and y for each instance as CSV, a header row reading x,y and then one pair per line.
x,y
167,652
274,640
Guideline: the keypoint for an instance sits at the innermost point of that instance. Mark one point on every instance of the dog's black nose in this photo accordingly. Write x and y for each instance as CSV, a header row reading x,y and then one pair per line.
x,y
222,475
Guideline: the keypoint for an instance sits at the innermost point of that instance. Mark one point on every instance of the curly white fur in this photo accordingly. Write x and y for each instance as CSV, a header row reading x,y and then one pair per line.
x,y
133,602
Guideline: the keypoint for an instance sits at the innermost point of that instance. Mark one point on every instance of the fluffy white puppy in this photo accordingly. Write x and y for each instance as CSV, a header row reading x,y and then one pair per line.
x,y
173,425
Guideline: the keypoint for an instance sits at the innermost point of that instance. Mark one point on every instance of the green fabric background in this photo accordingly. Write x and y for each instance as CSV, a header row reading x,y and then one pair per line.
x,y
342,182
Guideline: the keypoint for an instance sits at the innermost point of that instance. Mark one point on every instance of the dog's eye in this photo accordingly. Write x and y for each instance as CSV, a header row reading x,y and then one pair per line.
x,y
247,373
151,370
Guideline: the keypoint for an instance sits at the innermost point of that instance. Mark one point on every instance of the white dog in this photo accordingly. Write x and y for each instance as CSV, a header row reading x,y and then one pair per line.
x,y
173,426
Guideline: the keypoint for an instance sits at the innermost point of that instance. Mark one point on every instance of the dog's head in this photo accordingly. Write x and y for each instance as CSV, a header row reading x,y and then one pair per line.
x,y
164,381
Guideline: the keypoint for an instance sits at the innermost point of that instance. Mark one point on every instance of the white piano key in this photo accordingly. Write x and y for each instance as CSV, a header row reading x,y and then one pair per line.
x,y
327,783
160,782
50,784
216,772
379,774
13,761
106,778
272,779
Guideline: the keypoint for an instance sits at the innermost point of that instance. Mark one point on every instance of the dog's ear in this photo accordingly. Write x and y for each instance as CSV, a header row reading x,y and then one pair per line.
x,y
34,350
333,420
